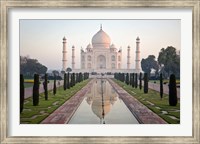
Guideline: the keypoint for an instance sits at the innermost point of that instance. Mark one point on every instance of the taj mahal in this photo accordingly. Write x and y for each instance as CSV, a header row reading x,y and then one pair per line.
x,y
101,56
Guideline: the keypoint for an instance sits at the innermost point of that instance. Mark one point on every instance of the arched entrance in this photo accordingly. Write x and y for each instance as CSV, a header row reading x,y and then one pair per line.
x,y
101,62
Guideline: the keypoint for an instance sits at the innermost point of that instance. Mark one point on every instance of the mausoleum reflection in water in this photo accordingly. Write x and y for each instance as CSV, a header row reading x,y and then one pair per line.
x,y
102,105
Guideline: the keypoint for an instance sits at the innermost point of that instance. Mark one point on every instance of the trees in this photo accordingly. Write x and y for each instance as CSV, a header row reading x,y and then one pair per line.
x,y
21,93
36,90
68,69
28,67
133,80
148,64
161,86
140,78
172,91
131,77
127,78
169,60
54,85
55,72
65,81
136,80
80,77
145,83
45,84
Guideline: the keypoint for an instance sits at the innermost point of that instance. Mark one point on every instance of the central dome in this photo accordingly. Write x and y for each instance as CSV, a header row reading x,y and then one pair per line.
x,y
101,39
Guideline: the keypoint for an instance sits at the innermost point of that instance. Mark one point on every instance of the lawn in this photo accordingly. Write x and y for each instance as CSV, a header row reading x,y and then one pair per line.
x,y
152,100
35,114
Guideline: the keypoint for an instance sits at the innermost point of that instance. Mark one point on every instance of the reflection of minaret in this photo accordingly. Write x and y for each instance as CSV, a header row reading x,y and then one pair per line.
x,y
64,66
137,52
73,58
128,57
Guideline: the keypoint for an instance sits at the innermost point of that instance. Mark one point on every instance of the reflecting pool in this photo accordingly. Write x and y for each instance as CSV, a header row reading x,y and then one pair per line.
x,y
102,105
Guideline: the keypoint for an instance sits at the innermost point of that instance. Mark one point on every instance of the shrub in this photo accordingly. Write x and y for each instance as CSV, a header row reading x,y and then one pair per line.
x,y
45,84
21,93
140,81
172,91
145,83
161,86
36,90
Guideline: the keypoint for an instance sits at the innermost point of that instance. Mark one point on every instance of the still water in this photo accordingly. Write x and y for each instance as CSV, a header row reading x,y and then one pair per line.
x,y
102,105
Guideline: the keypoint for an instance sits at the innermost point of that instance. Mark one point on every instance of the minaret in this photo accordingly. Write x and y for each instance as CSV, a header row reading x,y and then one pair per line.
x,y
137,52
64,60
73,57
128,57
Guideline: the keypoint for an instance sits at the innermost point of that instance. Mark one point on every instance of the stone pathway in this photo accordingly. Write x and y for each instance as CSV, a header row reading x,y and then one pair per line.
x,y
28,92
140,111
156,87
64,113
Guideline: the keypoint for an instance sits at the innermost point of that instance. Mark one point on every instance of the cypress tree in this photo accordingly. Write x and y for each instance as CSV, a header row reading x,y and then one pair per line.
x,y
54,85
74,80
161,86
131,76
71,81
45,87
140,80
172,91
133,80
77,78
81,77
136,80
68,82
127,79
36,90
21,93
65,84
145,83
123,75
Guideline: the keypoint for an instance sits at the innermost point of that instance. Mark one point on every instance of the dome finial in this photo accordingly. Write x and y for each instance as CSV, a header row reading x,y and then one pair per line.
x,y
101,26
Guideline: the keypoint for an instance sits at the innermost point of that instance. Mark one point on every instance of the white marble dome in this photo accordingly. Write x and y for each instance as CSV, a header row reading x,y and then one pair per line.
x,y
101,40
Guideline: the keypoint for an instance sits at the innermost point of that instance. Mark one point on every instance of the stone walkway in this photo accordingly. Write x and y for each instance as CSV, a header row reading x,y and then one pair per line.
x,y
28,92
156,87
64,113
140,111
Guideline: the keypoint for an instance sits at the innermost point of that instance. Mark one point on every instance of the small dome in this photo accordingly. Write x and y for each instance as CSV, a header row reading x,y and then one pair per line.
x,y
138,38
64,38
73,46
128,46
89,46
113,46
101,39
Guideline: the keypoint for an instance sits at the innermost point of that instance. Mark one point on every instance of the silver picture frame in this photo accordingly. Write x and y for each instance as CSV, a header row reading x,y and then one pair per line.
x,y
5,5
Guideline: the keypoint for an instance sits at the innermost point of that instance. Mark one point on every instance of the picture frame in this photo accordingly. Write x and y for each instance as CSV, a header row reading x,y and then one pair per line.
x,y
6,5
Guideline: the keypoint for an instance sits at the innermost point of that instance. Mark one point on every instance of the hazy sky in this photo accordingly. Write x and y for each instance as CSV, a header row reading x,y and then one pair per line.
x,y
42,39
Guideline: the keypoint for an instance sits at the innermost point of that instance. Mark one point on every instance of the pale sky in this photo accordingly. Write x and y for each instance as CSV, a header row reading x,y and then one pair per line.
x,y
42,39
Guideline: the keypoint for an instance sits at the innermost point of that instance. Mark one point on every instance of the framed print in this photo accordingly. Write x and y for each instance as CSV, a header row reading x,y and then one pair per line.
x,y
100,71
